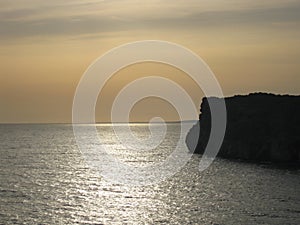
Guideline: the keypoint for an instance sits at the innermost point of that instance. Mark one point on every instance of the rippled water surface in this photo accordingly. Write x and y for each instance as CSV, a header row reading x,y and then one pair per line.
x,y
45,180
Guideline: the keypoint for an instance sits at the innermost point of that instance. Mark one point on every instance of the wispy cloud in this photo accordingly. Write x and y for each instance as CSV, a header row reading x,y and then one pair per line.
x,y
23,18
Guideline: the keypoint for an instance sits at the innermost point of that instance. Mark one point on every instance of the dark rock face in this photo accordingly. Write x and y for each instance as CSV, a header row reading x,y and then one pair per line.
x,y
260,127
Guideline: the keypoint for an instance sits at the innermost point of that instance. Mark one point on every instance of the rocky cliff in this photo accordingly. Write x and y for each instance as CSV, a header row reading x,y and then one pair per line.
x,y
260,127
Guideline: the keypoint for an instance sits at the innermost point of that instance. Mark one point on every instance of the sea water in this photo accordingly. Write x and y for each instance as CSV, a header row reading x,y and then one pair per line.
x,y
44,179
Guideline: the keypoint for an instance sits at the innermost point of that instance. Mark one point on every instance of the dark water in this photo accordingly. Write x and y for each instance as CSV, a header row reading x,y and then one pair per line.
x,y
44,180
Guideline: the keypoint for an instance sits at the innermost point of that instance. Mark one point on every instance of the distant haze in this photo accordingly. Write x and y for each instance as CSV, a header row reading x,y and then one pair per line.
x,y
45,47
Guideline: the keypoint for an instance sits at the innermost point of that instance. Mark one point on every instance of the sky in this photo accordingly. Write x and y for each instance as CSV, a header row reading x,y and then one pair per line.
x,y
46,46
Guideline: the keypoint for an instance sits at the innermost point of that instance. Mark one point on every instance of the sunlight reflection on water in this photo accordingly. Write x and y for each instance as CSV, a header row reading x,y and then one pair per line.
x,y
44,179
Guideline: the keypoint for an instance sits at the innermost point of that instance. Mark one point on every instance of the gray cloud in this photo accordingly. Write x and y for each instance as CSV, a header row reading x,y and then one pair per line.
x,y
79,18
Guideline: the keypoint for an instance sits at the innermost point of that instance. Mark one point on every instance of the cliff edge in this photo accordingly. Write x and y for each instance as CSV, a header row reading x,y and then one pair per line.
x,y
260,128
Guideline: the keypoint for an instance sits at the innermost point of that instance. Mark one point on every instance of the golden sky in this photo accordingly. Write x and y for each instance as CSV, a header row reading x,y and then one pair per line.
x,y
45,47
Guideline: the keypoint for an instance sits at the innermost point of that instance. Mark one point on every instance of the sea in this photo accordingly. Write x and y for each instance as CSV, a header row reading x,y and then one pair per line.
x,y
45,179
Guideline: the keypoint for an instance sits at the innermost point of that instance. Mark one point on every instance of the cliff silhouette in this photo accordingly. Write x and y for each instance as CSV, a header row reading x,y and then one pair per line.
x,y
260,127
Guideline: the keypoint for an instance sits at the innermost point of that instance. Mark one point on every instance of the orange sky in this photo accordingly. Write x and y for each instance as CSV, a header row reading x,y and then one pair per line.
x,y
45,48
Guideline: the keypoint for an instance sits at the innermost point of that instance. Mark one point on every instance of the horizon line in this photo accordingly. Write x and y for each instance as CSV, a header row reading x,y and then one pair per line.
x,y
66,123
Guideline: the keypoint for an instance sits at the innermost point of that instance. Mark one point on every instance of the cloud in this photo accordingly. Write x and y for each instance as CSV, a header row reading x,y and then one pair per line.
x,y
26,18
